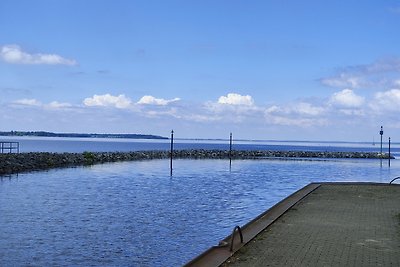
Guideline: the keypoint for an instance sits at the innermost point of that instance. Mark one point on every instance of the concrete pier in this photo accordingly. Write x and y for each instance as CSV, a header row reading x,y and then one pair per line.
x,y
336,224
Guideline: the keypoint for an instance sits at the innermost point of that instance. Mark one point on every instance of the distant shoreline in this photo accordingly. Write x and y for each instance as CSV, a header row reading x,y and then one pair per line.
x,y
34,161
80,135
176,138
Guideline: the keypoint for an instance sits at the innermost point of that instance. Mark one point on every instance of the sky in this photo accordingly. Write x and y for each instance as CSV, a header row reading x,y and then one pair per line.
x,y
272,70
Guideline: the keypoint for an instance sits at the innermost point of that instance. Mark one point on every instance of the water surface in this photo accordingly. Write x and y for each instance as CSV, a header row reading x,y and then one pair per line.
x,y
58,144
135,214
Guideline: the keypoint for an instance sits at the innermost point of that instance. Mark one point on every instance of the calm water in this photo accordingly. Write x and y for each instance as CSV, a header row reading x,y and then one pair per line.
x,y
135,214
54,144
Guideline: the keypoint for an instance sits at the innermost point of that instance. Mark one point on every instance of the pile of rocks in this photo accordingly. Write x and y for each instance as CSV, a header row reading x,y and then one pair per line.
x,y
15,163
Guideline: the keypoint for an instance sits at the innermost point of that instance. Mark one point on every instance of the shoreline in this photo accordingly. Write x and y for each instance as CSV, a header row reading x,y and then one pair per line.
x,y
35,161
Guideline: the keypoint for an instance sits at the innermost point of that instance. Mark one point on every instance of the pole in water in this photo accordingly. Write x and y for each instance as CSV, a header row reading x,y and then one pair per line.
x,y
381,133
230,146
172,151
230,150
389,151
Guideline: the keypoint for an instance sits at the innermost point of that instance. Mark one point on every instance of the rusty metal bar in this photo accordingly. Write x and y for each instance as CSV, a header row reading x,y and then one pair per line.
x,y
233,236
394,180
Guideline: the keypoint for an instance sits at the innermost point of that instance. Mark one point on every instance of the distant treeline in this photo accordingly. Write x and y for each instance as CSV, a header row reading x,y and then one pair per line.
x,y
81,135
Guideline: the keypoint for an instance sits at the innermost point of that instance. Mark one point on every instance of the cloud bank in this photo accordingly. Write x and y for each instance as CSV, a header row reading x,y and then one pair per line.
x,y
13,54
239,109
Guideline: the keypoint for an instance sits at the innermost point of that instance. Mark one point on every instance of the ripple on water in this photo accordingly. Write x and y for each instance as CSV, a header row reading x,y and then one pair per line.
x,y
134,213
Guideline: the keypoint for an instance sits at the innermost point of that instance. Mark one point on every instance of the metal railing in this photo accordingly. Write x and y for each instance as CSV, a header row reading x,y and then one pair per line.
x,y
224,243
233,236
9,147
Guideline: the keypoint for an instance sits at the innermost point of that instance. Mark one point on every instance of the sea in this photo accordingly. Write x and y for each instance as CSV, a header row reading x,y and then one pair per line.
x,y
136,214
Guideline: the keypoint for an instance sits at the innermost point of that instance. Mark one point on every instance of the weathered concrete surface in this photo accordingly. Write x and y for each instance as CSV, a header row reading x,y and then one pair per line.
x,y
336,225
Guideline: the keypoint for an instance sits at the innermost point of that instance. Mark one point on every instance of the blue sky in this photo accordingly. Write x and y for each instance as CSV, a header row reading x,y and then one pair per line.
x,y
298,70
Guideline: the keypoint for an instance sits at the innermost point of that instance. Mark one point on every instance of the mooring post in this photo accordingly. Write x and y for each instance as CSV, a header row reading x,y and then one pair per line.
x,y
381,133
172,151
230,150
230,146
389,151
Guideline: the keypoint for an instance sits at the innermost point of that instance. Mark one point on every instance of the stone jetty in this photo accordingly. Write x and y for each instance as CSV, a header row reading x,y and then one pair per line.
x,y
22,162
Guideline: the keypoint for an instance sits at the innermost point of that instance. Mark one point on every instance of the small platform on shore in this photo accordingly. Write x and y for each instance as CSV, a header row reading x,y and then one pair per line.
x,y
328,224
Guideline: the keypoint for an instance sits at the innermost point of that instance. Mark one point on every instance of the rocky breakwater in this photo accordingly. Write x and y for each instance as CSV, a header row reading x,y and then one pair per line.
x,y
22,162
265,154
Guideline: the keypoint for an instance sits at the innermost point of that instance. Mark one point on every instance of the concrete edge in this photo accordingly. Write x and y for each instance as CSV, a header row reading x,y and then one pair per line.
x,y
217,255
359,183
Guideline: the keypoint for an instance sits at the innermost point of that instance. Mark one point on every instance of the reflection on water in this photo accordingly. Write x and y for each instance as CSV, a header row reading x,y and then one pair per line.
x,y
135,214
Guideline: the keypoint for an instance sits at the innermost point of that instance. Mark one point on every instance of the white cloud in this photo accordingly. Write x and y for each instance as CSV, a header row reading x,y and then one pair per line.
x,y
202,118
58,105
36,103
108,100
308,109
236,99
352,112
302,108
299,114
151,100
344,80
169,112
389,100
233,107
347,98
298,122
378,74
28,102
384,65
15,55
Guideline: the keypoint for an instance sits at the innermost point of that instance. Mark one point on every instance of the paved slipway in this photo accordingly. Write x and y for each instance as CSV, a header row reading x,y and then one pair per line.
x,y
335,225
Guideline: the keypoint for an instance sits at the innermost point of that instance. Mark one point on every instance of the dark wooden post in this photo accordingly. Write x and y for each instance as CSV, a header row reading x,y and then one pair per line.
x,y
389,151
230,150
172,151
230,146
381,133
